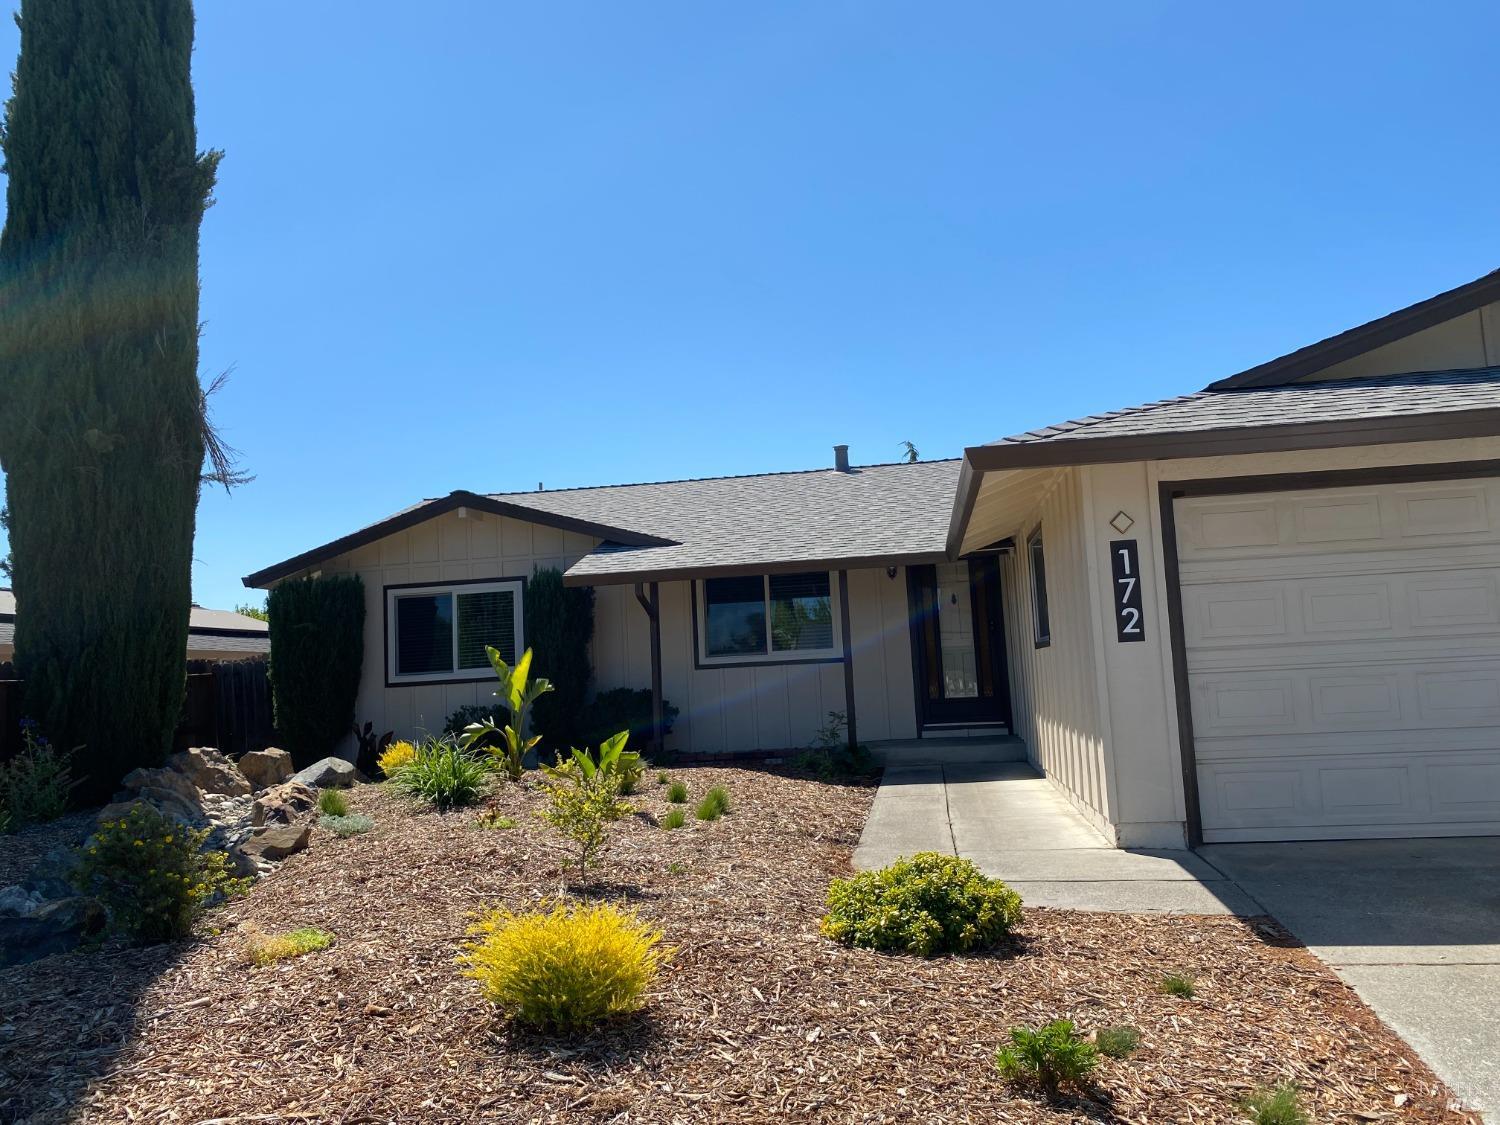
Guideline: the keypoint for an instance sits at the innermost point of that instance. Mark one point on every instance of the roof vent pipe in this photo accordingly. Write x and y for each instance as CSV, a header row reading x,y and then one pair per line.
x,y
841,458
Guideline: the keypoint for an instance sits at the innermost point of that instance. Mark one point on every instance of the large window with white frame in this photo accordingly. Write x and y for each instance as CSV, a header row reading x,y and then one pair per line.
x,y
768,619
440,632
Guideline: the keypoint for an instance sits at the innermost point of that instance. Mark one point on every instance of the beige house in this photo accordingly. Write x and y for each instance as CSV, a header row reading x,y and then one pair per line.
x,y
1267,610
213,634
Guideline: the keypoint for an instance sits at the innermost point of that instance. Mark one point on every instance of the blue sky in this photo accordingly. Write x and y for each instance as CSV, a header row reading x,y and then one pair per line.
x,y
482,245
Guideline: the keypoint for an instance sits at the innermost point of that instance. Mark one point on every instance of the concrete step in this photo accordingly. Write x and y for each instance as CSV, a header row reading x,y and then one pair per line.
x,y
948,751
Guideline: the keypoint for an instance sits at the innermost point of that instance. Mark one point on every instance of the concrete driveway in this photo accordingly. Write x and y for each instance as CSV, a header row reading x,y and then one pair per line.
x,y
1412,925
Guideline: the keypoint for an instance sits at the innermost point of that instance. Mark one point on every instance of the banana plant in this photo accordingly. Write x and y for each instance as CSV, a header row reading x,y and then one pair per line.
x,y
517,691
623,768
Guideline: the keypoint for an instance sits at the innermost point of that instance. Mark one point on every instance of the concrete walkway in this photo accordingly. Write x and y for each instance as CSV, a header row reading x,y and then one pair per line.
x,y
1015,826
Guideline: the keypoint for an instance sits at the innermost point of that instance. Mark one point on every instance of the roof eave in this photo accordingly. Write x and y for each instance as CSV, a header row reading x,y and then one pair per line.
x,y
969,482
1228,441
731,570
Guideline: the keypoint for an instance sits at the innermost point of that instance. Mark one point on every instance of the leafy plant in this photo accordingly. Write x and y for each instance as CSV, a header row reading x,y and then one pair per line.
x,y
675,868
559,628
150,875
496,820
830,757
1117,1042
355,824
1277,1106
518,692
927,905
622,709
443,774
332,802
619,767
36,784
675,818
1180,985
317,628
583,797
263,948
471,713
395,756
1048,1057
567,969
715,803
371,746
677,793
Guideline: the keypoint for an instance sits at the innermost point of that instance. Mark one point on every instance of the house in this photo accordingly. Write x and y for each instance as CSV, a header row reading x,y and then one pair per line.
x,y
213,634
1266,610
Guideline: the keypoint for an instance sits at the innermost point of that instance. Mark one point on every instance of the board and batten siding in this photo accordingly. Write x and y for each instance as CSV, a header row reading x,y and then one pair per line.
x,y
721,709
1055,688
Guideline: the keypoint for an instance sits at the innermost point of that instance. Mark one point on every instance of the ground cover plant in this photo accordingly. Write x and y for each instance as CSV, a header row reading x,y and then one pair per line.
x,y
1180,985
1048,1057
1278,1105
715,804
353,824
927,905
443,774
1117,1042
35,785
756,1018
264,949
333,803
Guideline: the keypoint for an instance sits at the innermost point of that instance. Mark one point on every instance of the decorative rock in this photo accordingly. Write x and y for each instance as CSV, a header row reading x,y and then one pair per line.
x,y
276,841
330,773
283,804
169,780
51,927
265,768
210,771
169,804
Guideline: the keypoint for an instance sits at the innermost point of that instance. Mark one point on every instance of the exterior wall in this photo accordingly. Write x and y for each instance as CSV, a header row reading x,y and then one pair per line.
x,y
722,710
1467,341
1055,690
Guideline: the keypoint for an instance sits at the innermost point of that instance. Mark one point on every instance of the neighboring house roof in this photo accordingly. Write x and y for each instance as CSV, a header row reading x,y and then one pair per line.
x,y
209,630
1356,341
1388,408
815,519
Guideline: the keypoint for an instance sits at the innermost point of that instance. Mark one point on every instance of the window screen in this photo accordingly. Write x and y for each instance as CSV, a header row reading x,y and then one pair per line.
x,y
801,612
486,618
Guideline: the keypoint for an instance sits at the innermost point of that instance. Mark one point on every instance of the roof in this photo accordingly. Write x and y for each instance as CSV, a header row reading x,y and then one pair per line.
x,y
818,518
1366,337
1388,408
209,630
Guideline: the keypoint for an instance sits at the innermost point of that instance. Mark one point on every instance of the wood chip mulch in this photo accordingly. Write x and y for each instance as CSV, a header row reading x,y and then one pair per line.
x,y
757,1018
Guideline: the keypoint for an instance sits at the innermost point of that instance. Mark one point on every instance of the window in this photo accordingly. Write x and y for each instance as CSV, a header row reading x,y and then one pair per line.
x,y
766,618
1041,619
440,632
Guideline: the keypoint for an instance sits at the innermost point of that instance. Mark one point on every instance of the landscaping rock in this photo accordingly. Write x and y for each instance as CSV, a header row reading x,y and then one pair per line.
x,y
229,820
284,804
169,804
48,927
330,773
210,771
265,768
167,780
276,841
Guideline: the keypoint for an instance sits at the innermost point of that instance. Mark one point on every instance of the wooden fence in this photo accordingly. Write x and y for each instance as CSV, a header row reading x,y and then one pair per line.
x,y
228,705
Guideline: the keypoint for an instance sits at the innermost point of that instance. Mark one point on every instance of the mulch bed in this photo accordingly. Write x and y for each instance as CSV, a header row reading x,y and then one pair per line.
x,y
756,1018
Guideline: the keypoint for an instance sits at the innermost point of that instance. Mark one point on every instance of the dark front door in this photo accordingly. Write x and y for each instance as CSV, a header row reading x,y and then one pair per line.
x,y
958,637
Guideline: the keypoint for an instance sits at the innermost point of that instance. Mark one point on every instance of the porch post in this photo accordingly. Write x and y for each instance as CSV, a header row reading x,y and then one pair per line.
x,y
652,605
848,659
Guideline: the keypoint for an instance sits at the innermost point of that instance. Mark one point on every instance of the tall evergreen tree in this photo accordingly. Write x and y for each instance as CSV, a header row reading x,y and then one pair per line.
x,y
102,420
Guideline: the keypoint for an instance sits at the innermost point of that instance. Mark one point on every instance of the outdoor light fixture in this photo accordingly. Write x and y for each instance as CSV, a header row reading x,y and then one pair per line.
x,y
890,572
1121,522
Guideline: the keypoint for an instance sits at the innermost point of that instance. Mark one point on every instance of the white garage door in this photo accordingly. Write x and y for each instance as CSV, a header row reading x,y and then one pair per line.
x,y
1343,650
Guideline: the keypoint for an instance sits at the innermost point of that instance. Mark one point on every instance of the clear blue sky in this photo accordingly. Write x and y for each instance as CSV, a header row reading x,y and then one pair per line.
x,y
484,245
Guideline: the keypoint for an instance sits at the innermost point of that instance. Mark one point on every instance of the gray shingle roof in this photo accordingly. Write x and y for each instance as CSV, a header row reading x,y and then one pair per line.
x,y
209,630
1267,411
871,513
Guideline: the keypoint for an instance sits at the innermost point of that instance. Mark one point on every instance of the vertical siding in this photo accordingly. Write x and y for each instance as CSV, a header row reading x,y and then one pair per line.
x,y
1056,688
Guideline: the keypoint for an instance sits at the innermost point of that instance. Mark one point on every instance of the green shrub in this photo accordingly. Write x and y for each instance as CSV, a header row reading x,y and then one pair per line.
x,y
675,818
566,970
622,709
1179,985
496,820
472,713
619,767
1048,1057
263,949
677,793
317,628
443,774
1117,1042
715,804
36,784
927,905
332,802
559,627
662,777
354,824
150,875
830,758
1278,1106
582,799
675,868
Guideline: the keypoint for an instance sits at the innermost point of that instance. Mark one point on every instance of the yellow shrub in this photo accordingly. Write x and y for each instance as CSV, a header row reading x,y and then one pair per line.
x,y
394,756
263,948
566,969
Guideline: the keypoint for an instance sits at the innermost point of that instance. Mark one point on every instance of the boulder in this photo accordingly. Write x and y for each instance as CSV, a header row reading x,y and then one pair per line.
x,y
275,841
330,773
284,804
169,804
48,927
265,768
168,780
210,771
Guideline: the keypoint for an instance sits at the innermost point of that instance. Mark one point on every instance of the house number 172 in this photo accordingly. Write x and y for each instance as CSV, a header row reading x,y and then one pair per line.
x,y
1125,565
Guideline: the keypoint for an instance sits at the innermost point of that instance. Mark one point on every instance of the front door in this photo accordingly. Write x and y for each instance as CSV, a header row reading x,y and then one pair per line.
x,y
958,637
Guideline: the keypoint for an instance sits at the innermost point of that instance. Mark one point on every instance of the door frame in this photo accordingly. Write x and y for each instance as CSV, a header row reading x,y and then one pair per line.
x,y
1169,491
984,594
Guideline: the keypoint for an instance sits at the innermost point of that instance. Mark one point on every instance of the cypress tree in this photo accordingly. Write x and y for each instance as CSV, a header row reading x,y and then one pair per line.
x,y
102,420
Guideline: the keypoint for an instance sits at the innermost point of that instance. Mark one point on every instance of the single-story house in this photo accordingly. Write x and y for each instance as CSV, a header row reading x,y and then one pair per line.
x,y
1266,610
213,634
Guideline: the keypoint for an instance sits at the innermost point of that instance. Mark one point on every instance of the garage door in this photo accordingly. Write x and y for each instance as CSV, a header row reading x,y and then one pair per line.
x,y
1343,652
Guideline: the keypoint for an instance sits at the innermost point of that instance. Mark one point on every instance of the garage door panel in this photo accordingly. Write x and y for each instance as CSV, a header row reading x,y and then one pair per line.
x,y
1343,651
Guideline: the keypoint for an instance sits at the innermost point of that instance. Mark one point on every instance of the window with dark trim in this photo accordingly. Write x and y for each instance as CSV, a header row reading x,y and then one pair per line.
x,y
440,632
766,618
1040,616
